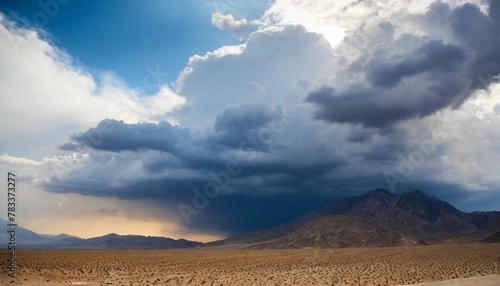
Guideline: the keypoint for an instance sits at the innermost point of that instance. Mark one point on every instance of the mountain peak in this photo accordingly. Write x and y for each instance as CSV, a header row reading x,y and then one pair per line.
x,y
111,235
420,193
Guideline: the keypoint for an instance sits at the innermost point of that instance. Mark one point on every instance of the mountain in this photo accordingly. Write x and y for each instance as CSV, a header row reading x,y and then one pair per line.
x,y
115,241
494,233
64,239
492,238
24,237
28,239
337,231
484,220
413,216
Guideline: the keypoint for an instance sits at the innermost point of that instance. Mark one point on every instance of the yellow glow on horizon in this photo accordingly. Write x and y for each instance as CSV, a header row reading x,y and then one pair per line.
x,y
88,228
87,216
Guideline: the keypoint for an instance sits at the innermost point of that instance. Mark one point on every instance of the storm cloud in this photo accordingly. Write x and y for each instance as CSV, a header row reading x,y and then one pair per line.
x,y
113,135
307,120
411,76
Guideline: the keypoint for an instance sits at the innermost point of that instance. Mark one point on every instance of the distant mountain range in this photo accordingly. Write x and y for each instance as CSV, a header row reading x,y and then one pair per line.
x,y
25,237
115,241
375,219
29,239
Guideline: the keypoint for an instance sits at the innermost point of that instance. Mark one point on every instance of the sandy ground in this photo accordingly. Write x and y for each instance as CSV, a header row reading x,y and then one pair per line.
x,y
366,266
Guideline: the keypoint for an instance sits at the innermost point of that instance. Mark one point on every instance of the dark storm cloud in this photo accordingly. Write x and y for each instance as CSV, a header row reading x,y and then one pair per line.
x,y
295,171
179,148
163,147
235,214
69,146
435,16
433,56
494,10
277,184
358,135
480,33
420,80
272,187
243,117
165,188
304,163
262,196
230,213
379,107
236,123
113,135
473,28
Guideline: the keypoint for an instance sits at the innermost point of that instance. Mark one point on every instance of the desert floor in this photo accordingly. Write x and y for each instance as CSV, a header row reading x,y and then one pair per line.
x,y
365,266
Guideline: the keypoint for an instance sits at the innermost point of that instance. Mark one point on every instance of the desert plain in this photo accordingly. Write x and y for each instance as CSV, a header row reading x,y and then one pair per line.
x,y
348,266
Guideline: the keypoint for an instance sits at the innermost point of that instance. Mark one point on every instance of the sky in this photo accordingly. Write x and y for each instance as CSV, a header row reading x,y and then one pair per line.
x,y
204,119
